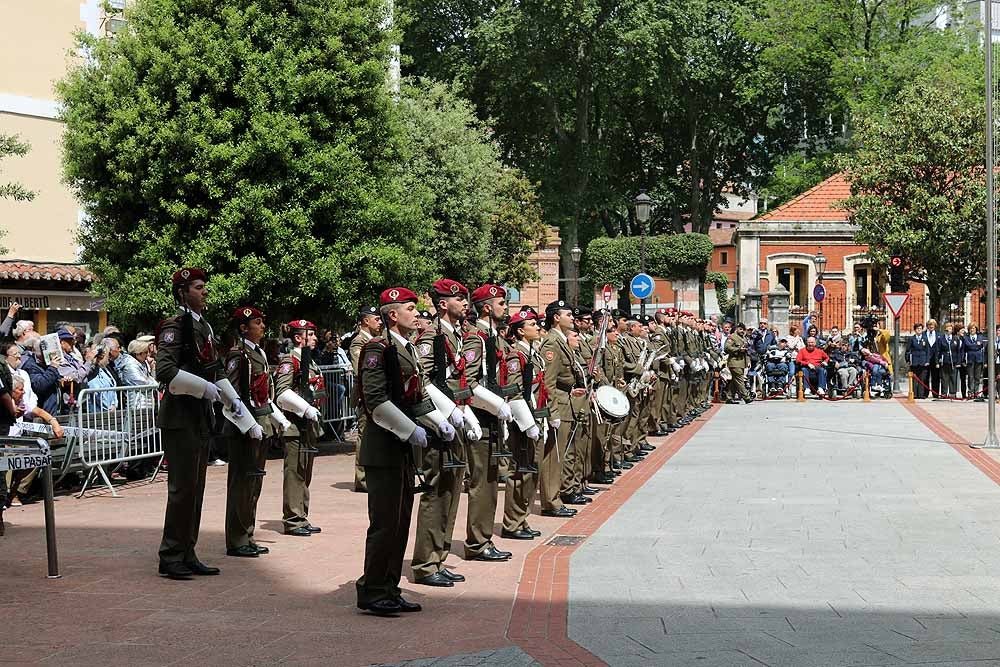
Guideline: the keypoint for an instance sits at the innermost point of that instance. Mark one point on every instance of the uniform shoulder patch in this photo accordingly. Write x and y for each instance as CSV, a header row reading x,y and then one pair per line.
x,y
284,367
550,355
513,365
373,357
233,363
424,349
470,355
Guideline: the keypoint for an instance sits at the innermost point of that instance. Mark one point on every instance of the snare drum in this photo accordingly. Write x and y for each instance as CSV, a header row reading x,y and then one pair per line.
x,y
613,404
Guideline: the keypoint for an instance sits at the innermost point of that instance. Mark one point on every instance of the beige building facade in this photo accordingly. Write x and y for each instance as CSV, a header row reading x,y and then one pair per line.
x,y
40,236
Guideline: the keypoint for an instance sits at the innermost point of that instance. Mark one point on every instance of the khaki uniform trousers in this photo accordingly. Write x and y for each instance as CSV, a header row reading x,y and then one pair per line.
x,y
550,466
483,488
359,470
519,494
738,385
390,504
246,457
437,510
187,451
297,477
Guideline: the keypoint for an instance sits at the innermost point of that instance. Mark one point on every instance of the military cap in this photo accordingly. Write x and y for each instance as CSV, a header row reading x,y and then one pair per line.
x,y
488,291
366,311
426,314
582,311
397,295
301,325
449,287
188,275
521,317
617,314
246,313
557,305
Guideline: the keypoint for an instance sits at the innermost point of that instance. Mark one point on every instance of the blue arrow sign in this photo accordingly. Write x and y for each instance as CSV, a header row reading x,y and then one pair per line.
x,y
819,292
641,286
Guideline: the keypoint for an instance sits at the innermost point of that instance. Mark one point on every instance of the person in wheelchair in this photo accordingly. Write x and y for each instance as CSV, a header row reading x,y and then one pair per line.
x,y
777,366
880,383
845,367
812,361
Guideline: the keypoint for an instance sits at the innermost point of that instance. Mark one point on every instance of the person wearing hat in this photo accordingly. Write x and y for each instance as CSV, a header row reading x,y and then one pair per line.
x,y
369,326
73,371
298,389
484,352
737,347
399,413
660,344
188,366
522,367
439,505
424,319
248,371
561,384
634,353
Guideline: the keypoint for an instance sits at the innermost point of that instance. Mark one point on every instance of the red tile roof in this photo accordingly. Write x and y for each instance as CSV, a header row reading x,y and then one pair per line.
x,y
721,237
815,205
17,269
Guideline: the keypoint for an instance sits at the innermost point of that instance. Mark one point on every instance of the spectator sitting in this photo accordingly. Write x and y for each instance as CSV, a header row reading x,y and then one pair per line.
x,y
44,380
844,363
132,368
812,361
814,332
73,372
20,482
878,367
778,362
13,354
795,342
835,336
858,338
105,401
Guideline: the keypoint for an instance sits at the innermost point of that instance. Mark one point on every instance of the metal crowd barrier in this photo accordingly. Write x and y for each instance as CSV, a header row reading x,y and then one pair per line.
x,y
27,454
115,425
338,406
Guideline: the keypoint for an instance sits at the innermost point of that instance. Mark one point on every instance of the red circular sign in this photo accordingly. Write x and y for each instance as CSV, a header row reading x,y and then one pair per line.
x,y
608,292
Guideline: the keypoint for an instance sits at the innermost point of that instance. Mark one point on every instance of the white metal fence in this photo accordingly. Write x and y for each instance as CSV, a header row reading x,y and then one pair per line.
x,y
115,425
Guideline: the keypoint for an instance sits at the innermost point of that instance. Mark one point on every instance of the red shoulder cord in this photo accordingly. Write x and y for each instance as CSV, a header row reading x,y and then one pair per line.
x,y
459,366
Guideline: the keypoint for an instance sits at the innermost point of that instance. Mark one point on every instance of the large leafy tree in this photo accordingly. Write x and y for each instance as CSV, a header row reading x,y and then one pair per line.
x,y
918,185
255,138
12,145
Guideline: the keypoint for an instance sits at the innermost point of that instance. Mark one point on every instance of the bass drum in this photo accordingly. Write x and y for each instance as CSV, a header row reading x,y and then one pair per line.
x,y
613,404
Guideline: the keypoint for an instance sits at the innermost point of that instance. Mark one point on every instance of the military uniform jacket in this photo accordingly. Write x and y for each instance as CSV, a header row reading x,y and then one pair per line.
x,y
457,359
735,348
381,447
521,368
631,347
560,375
247,370
612,365
199,357
660,342
354,351
286,378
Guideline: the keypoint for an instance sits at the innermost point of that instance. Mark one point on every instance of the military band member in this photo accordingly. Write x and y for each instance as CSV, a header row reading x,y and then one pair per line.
x,y
369,326
392,394
560,384
438,506
484,351
573,489
248,371
188,367
299,390
522,370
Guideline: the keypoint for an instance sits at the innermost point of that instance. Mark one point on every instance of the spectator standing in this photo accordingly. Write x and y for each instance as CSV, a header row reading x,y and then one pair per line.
x,y
963,377
835,336
104,401
918,356
795,342
8,322
934,365
813,361
763,339
974,344
45,380
949,353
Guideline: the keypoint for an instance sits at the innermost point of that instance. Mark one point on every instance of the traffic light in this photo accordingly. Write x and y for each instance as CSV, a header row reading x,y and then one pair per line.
x,y
897,275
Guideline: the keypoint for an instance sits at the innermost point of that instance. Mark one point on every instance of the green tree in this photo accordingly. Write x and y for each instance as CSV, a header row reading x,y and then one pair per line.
x,y
12,145
255,138
918,185
485,217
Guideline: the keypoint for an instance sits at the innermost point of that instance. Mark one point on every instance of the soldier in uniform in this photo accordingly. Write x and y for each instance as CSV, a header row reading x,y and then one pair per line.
x,y
522,369
298,390
737,349
484,351
188,367
560,384
369,326
392,394
439,505
612,367
247,370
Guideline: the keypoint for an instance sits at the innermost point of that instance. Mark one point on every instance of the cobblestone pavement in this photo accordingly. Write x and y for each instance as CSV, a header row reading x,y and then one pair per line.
x,y
798,534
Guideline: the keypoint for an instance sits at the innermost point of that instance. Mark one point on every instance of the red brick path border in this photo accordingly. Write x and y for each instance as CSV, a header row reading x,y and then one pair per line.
x,y
539,617
977,457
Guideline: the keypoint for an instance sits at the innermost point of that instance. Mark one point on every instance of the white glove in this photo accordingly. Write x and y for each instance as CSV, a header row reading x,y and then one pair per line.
x,y
238,409
212,393
457,417
312,414
256,432
446,431
504,413
532,433
554,423
472,427
418,437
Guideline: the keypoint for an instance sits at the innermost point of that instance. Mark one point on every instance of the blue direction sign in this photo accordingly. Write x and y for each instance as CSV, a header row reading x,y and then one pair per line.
x,y
819,292
641,286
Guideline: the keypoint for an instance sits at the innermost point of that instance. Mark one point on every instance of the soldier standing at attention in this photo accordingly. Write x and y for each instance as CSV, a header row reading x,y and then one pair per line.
x,y
188,367
369,326
299,388
247,370
484,353
392,394
736,348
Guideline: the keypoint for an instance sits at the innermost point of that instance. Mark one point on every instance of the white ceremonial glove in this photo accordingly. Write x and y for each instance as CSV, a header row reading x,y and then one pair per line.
x,y
457,417
504,413
312,414
554,423
279,420
532,433
472,428
446,431
212,393
418,437
238,409
256,432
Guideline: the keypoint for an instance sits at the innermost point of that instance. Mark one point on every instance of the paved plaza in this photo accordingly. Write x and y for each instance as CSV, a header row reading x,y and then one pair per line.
x,y
779,533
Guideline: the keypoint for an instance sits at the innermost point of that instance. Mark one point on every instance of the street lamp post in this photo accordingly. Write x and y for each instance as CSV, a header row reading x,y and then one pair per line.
x,y
576,254
820,262
643,206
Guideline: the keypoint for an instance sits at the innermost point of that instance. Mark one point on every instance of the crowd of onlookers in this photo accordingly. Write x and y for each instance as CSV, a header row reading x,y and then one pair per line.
x,y
949,363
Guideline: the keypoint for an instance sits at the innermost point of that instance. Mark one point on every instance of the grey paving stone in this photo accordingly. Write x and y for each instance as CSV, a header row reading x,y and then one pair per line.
x,y
511,656
798,534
